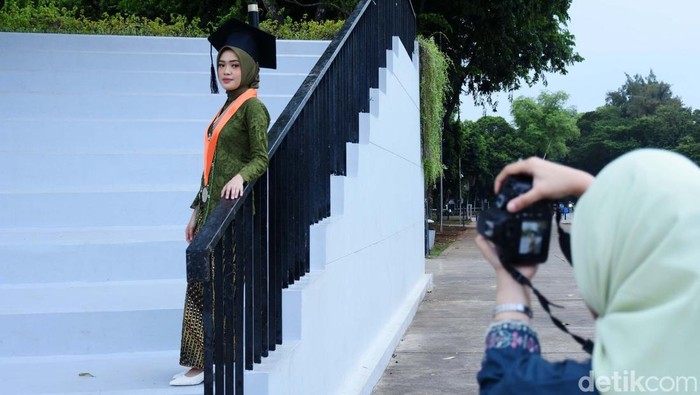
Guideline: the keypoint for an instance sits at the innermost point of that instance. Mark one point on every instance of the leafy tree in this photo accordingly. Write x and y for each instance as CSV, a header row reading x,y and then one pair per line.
x,y
605,135
689,144
320,9
47,17
498,45
494,45
546,123
452,152
640,96
206,12
659,118
504,144
689,147
642,113
489,144
476,143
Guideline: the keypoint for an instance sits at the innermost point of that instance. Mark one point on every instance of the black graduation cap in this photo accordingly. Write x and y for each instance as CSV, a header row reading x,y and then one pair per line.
x,y
261,46
257,43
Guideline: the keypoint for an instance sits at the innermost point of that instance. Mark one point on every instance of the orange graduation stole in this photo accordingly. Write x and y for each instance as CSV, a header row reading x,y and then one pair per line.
x,y
218,123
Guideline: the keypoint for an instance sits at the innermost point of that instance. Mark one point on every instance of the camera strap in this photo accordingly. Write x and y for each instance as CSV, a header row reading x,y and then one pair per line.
x,y
587,344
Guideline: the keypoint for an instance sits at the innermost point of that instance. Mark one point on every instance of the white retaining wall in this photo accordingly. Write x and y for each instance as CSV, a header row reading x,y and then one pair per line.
x,y
344,319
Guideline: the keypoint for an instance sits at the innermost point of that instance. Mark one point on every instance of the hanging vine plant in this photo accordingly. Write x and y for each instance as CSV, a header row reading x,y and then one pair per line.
x,y
433,88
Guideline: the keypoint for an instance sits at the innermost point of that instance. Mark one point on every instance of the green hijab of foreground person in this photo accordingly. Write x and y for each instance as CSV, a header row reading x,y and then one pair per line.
x,y
636,253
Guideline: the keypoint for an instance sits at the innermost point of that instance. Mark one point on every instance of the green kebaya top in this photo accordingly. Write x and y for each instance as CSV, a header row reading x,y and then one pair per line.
x,y
241,149
242,144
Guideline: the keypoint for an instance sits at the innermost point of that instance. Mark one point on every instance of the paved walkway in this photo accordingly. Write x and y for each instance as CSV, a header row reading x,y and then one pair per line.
x,y
440,352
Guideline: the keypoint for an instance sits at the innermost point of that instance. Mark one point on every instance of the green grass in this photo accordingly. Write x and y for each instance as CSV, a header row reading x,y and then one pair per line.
x,y
438,248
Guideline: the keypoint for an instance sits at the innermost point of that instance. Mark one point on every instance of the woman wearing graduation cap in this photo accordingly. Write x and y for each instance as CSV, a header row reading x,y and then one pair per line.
x,y
235,152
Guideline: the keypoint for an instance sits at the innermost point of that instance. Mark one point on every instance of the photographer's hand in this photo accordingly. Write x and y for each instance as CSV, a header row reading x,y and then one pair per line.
x,y
549,181
508,291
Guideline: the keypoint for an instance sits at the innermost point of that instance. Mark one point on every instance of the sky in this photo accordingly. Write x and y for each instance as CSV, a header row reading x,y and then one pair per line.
x,y
617,37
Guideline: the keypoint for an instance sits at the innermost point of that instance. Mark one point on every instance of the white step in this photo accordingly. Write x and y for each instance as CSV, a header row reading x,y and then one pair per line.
x,y
85,235
114,105
29,135
127,261
91,297
89,171
32,42
138,207
100,158
128,60
92,317
145,82
143,373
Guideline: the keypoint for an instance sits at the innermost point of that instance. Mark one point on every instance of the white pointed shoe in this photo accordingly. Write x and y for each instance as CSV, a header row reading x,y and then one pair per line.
x,y
186,380
181,373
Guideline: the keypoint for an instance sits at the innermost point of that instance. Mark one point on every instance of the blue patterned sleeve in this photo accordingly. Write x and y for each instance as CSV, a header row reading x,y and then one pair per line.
x,y
512,364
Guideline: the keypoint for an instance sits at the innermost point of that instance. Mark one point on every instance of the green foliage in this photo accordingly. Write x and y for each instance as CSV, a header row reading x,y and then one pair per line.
x,y
49,18
495,46
498,45
546,123
490,144
131,17
452,149
641,96
237,9
206,12
433,87
642,113
689,147
605,135
321,9
303,29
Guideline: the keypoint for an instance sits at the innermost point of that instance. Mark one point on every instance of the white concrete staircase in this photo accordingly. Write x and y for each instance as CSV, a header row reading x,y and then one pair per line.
x,y
100,157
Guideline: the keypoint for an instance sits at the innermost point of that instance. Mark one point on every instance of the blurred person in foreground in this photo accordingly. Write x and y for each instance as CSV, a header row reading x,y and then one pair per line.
x,y
635,248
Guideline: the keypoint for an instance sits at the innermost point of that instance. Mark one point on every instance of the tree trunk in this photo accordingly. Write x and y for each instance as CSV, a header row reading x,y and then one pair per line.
x,y
320,12
452,102
421,7
272,10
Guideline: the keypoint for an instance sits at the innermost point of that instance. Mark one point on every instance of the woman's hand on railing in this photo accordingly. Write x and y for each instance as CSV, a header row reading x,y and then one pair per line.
x,y
233,189
189,229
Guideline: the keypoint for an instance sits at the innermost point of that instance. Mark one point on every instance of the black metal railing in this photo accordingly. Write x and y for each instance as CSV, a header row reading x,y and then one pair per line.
x,y
255,246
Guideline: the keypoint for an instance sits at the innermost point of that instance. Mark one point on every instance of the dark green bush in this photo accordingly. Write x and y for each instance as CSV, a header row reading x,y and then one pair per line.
x,y
47,17
302,30
51,17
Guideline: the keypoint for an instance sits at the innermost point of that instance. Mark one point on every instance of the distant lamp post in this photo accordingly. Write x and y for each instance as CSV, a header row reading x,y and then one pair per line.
x,y
460,184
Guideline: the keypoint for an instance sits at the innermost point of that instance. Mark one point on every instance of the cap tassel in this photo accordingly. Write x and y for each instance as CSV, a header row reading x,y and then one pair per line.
x,y
213,85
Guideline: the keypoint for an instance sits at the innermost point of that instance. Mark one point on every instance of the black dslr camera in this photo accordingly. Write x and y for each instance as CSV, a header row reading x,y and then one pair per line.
x,y
522,237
